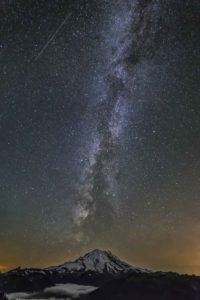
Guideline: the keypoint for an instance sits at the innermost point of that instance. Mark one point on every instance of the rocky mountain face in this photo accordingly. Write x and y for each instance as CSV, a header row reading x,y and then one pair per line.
x,y
95,268
96,261
113,279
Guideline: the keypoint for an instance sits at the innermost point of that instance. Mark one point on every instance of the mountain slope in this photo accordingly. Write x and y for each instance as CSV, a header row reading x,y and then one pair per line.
x,y
95,268
149,286
113,278
95,261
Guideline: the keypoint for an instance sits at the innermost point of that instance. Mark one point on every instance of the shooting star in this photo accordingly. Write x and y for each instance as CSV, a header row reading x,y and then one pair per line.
x,y
53,36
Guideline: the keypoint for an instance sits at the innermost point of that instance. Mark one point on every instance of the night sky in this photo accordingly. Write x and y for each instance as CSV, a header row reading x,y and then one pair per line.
x,y
100,131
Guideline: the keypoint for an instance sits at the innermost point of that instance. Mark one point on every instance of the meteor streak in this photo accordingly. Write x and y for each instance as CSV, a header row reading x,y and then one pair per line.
x,y
53,36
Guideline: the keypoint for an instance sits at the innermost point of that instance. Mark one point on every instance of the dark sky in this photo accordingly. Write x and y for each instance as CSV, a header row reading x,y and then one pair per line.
x,y
100,131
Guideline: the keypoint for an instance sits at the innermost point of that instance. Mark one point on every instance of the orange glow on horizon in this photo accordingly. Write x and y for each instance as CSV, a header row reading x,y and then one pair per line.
x,y
3,268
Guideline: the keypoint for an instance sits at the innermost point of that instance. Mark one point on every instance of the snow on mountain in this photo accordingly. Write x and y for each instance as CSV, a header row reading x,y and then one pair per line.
x,y
96,261
95,268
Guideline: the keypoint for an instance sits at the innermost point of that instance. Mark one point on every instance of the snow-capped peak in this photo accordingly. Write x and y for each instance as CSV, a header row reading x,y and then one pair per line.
x,y
98,261
102,261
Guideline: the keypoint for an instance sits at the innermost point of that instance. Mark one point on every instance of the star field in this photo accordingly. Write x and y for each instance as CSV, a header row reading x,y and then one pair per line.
x,y
100,132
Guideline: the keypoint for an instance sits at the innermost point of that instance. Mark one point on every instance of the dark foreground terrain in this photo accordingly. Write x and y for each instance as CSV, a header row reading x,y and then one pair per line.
x,y
98,275
154,286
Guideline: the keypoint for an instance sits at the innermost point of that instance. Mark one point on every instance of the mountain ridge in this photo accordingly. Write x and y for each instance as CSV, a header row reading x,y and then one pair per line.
x,y
95,268
97,260
108,276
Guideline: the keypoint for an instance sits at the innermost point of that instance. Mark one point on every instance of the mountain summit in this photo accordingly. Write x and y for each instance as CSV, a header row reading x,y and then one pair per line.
x,y
95,268
98,261
99,275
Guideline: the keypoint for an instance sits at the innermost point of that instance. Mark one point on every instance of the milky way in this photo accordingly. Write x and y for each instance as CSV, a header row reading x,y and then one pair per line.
x,y
99,193
99,128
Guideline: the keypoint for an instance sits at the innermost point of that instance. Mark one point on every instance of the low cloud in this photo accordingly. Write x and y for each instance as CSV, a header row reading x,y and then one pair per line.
x,y
60,291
